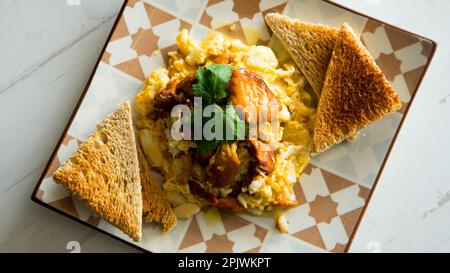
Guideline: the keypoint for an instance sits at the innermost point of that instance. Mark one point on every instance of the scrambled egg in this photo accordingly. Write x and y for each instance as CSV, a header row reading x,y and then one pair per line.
x,y
265,192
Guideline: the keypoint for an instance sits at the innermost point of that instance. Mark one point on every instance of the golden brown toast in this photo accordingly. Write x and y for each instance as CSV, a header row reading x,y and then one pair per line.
x,y
156,208
355,93
310,45
104,173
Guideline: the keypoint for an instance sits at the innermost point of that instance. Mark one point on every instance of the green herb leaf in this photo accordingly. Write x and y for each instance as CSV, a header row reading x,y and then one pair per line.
x,y
212,82
221,75
202,87
204,146
234,124
231,122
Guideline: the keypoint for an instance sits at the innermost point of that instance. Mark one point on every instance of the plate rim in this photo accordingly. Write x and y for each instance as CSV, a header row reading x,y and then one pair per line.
x,y
35,199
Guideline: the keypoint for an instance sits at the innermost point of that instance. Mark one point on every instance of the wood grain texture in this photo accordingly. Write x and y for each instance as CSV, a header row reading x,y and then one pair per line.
x,y
41,91
51,53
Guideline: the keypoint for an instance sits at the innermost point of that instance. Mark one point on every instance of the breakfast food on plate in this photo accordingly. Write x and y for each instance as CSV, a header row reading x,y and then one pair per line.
x,y
155,207
239,174
310,45
355,93
263,126
104,173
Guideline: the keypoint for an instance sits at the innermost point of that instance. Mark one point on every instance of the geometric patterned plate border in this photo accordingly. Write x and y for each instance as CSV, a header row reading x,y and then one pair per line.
x,y
413,88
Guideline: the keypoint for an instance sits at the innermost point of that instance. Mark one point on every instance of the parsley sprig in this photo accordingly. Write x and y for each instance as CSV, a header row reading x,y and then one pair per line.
x,y
212,82
211,85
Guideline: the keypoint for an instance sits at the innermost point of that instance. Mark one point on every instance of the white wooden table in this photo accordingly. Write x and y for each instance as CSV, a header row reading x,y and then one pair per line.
x,y
48,50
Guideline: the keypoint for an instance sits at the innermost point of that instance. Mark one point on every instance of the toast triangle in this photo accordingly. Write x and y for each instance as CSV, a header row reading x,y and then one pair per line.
x,y
156,207
355,94
104,173
310,45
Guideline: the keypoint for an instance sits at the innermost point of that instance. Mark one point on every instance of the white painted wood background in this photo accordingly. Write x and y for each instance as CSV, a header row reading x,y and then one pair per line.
x,y
48,49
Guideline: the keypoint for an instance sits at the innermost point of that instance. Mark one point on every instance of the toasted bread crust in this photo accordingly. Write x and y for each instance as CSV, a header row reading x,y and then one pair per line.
x,y
355,93
156,207
310,45
104,173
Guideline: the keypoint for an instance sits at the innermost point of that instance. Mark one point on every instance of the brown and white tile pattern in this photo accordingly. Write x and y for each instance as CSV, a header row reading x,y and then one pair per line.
x,y
334,188
217,231
329,208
